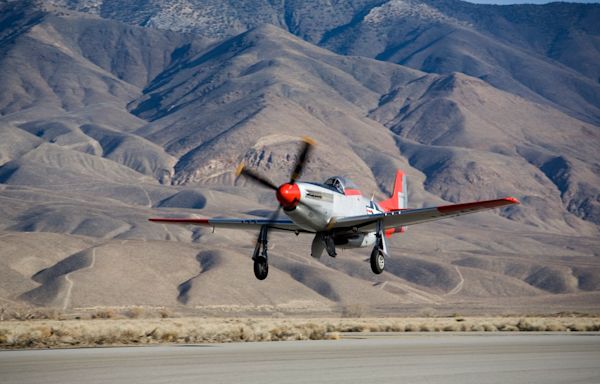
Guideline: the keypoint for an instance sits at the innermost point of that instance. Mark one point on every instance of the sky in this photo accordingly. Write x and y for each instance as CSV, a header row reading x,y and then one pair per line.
x,y
505,2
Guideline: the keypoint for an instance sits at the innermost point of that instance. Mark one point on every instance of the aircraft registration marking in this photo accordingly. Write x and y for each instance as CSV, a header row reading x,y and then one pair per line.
x,y
316,195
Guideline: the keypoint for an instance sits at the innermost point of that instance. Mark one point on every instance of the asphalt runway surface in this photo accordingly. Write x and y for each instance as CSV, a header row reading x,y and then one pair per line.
x,y
423,358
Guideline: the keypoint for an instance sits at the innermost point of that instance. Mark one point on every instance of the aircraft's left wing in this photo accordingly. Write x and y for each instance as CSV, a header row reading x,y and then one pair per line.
x,y
281,225
400,218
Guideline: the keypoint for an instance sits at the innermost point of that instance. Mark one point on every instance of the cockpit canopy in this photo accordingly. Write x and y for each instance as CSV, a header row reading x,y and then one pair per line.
x,y
340,184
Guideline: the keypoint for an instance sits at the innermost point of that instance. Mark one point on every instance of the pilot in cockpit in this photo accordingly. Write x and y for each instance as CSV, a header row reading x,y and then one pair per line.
x,y
336,184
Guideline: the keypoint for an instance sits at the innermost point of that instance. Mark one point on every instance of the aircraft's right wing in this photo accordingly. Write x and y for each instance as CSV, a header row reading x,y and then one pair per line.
x,y
404,217
232,223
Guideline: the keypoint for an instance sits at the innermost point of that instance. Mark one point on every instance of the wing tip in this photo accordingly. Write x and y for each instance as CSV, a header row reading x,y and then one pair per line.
x,y
512,200
485,204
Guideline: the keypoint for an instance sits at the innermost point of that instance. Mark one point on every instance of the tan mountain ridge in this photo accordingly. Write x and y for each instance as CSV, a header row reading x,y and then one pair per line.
x,y
94,142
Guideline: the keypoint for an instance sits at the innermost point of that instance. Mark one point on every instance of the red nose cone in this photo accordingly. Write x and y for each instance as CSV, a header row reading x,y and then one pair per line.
x,y
288,195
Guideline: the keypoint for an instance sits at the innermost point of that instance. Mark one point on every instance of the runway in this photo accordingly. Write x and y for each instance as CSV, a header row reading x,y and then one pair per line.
x,y
406,358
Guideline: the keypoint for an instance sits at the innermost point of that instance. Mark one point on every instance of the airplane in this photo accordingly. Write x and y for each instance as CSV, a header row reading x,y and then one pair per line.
x,y
336,213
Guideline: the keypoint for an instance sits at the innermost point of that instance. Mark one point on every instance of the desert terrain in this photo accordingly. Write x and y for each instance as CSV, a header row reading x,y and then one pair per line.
x,y
108,118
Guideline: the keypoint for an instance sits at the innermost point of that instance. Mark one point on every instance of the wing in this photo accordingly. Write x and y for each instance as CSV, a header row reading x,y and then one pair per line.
x,y
281,225
405,217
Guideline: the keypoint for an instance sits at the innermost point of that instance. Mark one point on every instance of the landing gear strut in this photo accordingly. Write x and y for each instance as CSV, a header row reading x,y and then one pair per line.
x,y
260,257
329,245
379,253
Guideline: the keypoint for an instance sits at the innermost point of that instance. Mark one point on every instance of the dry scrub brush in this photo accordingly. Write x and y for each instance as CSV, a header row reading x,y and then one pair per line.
x,y
45,333
105,330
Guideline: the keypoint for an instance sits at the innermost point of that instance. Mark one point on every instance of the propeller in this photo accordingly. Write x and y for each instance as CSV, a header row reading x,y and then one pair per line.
x,y
288,194
254,176
308,143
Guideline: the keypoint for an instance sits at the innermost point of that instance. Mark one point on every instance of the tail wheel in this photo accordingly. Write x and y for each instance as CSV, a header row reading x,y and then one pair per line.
x,y
377,261
261,268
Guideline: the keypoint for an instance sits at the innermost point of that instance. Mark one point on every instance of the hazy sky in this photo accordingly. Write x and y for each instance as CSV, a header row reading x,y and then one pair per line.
x,y
503,2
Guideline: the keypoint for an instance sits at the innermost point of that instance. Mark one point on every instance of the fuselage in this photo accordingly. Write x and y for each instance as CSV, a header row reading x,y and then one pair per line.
x,y
314,206
320,204
317,207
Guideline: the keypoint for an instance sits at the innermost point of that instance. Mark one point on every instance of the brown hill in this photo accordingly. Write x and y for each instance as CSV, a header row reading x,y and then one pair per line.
x,y
545,53
93,142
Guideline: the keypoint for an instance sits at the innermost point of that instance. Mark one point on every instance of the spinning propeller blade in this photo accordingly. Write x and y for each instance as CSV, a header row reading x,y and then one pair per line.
x,y
272,218
307,142
305,150
302,156
242,170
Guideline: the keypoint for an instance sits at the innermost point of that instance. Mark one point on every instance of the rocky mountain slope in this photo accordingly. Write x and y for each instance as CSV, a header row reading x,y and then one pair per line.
x,y
104,124
547,54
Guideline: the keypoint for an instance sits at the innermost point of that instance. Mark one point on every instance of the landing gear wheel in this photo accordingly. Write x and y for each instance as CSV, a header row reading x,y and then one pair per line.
x,y
261,268
377,261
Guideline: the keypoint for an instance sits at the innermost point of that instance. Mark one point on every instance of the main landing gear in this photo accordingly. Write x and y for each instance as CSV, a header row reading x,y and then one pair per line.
x,y
379,253
329,245
377,261
260,257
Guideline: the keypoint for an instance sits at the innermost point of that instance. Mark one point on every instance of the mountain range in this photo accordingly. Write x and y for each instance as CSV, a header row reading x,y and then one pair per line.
x,y
112,113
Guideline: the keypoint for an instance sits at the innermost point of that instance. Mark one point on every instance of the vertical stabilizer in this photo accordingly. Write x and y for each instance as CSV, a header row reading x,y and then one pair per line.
x,y
398,200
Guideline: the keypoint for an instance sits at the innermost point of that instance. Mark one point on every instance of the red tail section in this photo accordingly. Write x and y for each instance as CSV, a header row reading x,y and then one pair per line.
x,y
398,200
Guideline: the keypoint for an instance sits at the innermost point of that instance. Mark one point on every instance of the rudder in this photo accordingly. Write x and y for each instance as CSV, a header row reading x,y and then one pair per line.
x,y
399,198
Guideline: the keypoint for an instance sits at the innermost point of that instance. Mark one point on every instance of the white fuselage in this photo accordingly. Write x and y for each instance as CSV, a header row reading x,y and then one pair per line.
x,y
320,205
